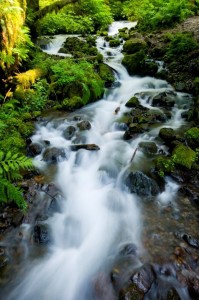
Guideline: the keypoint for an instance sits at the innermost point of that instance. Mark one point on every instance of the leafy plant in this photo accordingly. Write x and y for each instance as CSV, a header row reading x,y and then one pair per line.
x,y
11,166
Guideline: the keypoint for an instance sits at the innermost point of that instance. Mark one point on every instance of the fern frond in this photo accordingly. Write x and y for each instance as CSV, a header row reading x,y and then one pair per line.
x,y
9,192
11,164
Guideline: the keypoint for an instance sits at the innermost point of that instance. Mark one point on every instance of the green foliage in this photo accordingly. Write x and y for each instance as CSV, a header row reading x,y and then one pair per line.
x,y
192,137
180,44
83,17
64,23
10,167
36,99
76,80
155,14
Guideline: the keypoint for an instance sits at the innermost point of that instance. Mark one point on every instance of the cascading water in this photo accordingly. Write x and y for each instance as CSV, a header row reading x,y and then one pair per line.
x,y
98,214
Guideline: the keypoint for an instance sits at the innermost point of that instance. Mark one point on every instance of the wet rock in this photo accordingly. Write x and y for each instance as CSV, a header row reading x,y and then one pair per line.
x,y
34,149
114,43
106,73
53,154
41,234
164,99
90,147
133,131
134,62
121,126
84,125
77,118
192,192
144,278
167,135
133,102
193,242
69,132
148,147
129,249
141,184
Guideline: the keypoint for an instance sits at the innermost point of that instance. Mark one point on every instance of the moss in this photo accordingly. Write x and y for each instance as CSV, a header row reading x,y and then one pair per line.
x,y
114,43
134,62
133,102
134,45
192,137
28,78
106,73
184,156
72,103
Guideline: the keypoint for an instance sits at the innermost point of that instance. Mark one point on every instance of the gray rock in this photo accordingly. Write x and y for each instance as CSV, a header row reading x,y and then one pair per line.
x,y
69,132
141,184
53,154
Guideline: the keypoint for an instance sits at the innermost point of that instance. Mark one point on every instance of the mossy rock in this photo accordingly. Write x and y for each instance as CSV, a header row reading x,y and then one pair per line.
x,y
184,156
114,43
133,102
106,73
192,137
134,45
151,68
134,62
167,135
124,36
148,147
72,103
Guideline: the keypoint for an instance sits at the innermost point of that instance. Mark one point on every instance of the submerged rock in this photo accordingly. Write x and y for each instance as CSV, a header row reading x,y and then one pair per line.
x,y
69,132
84,125
41,234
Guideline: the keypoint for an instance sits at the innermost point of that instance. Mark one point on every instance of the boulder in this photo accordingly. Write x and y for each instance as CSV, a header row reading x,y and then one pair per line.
x,y
134,45
34,149
148,147
106,73
114,43
164,99
133,131
167,135
184,156
141,184
69,132
134,63
53,154
133,102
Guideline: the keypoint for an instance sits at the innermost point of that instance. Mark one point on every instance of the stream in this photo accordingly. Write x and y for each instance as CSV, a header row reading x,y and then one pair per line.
x,y
98,216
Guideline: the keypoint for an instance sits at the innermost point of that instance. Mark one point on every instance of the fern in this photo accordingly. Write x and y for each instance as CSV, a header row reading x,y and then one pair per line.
x,y
10,167
10,192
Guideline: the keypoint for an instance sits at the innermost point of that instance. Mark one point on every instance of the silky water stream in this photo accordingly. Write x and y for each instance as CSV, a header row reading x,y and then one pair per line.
x,y
98,215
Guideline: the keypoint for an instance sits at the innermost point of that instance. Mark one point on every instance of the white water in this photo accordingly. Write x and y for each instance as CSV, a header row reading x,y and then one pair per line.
x,y
98,213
